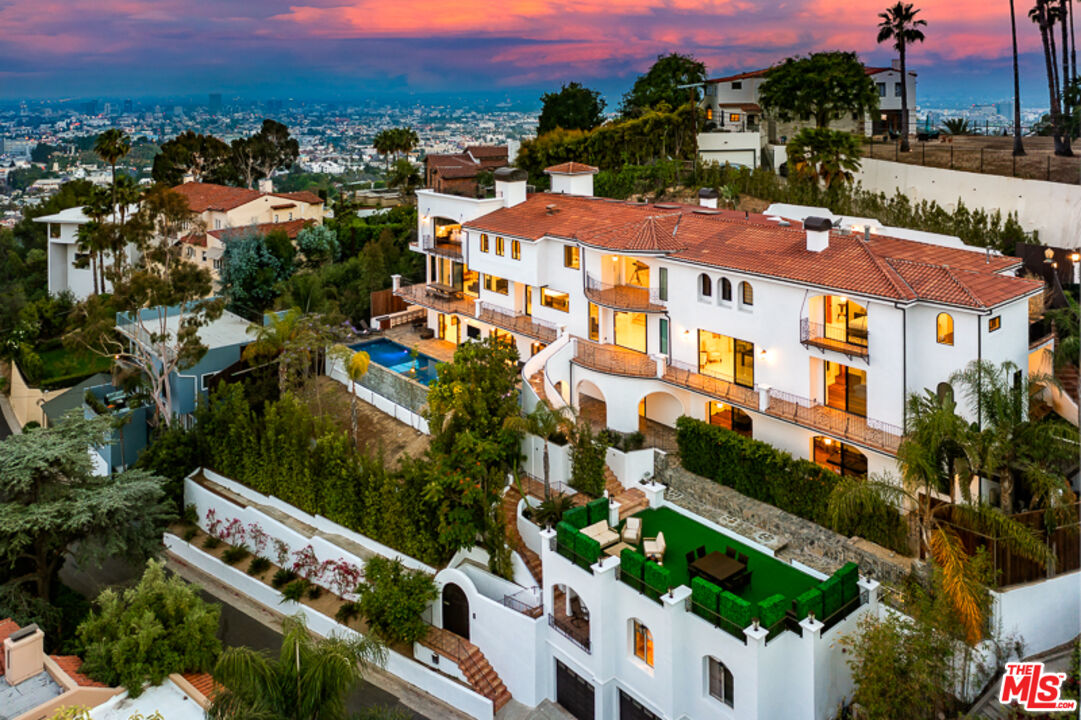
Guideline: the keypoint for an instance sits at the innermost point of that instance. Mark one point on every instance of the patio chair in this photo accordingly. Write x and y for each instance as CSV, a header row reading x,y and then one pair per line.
x,y
743,559
653,548
700,552
730,552
632,531
600,532
689,557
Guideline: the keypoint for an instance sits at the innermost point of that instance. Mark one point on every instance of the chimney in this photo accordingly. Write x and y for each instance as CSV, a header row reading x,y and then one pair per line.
x,y
24,654
572,178
266,185
510,185
707,198
818,233
895,63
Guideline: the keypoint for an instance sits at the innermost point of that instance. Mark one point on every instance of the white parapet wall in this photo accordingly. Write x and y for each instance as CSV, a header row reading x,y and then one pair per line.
x,y
444,688
1054,209
1046,613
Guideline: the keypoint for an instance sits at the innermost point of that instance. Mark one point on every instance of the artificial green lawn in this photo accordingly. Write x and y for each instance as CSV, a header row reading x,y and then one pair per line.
x,y
60,364
682,534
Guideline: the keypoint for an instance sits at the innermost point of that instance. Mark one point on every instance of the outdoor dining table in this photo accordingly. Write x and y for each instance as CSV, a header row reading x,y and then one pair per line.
x,y
715,567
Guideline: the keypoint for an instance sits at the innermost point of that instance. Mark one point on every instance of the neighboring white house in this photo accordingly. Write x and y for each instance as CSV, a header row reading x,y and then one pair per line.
x,y
732,106
64,257
803,335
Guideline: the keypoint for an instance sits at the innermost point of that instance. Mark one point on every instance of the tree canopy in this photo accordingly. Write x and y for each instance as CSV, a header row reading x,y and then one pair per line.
x,y
826,85
574,107
658,88
826,157
249,273
54,504
143,634
204,157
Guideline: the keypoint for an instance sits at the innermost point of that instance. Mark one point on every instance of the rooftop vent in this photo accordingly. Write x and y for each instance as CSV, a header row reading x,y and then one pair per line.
x,y
707,198
666,206
551,209
818,233
706,211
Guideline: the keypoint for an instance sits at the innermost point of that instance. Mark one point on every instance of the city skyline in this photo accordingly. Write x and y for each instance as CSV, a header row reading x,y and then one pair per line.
x,y
348,49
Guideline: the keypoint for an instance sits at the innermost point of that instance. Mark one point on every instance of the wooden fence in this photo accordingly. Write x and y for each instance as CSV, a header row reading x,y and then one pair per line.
x,y
385,302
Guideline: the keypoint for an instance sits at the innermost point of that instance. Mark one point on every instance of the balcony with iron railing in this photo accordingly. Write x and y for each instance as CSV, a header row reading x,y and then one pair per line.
x,y
518,322
723,388
440,246
436,296
613,359
857,428
853,342
623,297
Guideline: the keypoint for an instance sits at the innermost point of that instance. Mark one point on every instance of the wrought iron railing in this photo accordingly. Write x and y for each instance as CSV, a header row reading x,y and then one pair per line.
x,y
610,359
517,322
525,602
624,297
850,341
844,611
564,628
717,620
459,651
803,411
448,248
724,388
435,298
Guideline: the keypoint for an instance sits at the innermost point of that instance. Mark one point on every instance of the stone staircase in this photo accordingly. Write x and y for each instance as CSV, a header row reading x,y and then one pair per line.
x,y
1068,376
479,673
631,500
514,538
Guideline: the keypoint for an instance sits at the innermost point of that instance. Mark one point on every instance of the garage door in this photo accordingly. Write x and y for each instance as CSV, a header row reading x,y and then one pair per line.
x,y
573,693
631,709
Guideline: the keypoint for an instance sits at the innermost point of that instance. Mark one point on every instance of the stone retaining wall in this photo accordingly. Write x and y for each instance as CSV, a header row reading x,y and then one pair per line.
x,y
395,387
807,542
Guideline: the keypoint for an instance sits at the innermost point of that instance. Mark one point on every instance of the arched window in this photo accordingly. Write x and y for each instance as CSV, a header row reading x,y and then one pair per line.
x,y
944,329
726,290
643,643
746,293
720,681
705,286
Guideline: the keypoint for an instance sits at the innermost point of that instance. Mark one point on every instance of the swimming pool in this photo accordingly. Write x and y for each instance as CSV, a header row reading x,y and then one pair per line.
x,y
395,356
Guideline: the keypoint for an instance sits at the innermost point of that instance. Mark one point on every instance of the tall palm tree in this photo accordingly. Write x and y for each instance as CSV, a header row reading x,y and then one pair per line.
x,y
271,341
309,680
126,193
1006,442
544,421
899,24
1043,13
1018,146
929,462
111,146
95,236
356,366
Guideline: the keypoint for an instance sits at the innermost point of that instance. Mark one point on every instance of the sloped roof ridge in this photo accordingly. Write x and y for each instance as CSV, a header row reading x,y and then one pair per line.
x,y
899,284
949,274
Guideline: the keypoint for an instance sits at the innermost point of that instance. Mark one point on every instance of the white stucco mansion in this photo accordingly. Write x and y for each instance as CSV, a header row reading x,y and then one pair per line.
x,y
802,334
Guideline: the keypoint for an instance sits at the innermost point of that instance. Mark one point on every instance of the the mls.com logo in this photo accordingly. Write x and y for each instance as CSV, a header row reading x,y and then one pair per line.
x,y
1027,684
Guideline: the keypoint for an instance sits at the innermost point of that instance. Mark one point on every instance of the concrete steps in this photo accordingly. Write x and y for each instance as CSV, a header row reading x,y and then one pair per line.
x,y
479,673
630,500
514,538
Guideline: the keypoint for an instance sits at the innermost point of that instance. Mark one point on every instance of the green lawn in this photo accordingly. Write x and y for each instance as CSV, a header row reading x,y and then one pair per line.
x,y
64,367
682,534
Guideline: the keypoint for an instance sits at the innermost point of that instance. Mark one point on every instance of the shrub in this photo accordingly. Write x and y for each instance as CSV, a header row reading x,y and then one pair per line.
x,y
314,591
295,590
234,554
259,538
347,611
211,542
282,576
258,565
191,514
550,511
144,633
393,599
190,533
587,461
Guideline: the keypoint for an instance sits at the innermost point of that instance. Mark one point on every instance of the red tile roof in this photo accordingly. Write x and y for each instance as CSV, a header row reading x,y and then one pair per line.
x,y
203,683
291,227
488,152
453,167
7,627
71,664
572,168
207,196
890,268
304,196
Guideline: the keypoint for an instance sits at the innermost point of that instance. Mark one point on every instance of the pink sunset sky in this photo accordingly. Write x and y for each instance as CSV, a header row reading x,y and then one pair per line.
x,y
143,47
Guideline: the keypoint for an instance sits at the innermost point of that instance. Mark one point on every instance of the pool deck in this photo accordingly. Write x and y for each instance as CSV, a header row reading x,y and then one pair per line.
x,y
441,350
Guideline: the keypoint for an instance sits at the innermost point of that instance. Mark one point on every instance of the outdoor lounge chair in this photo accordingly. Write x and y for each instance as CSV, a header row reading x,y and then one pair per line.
x,y
600,532
632,531
653,548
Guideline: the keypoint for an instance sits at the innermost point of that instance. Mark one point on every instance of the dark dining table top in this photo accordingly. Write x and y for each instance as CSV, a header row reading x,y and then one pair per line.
x,y
716,566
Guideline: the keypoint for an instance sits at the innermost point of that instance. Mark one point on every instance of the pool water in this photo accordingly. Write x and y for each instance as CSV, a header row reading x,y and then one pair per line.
x,y
395,356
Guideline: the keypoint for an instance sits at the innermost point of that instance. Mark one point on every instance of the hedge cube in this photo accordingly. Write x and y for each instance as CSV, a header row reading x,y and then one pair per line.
x,y
565,534
587,548
771,610
737,610
597,510
578,517
657,580
831,596
631,563
809,601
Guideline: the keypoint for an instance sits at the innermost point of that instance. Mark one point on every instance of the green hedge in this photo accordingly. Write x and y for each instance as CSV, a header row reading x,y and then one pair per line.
x,y
807,601
578,517
631,563
704,596
755,469
735,609
657,580
565,533
849,576
588,549
771,610
831,596
598,510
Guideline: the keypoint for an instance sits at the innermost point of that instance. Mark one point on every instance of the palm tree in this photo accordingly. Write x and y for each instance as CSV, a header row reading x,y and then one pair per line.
x,y
957,126
111,146
899,24
1018,146
356,366
824,156
544,421
929,462
404,176
126,193
1044,14
271,341
94,236
1006,442
309,680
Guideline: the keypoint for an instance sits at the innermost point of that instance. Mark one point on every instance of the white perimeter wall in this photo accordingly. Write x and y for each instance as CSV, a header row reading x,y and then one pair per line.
x,y
1045,613
1054,209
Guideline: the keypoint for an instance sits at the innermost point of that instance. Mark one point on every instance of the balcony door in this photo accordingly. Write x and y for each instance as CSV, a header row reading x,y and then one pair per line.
x,y
846,388
630,330
726,358
844,320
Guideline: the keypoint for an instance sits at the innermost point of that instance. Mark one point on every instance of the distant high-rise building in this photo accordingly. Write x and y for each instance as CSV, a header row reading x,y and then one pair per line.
x,y
90,107
178,111
107,109
128,106
214,104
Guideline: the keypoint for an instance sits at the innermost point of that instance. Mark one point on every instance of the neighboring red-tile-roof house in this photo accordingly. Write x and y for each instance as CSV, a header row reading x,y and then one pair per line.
x,y
458,173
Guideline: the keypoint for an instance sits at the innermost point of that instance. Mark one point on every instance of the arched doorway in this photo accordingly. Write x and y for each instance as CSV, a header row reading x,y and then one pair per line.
x,y
455,610
591,405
